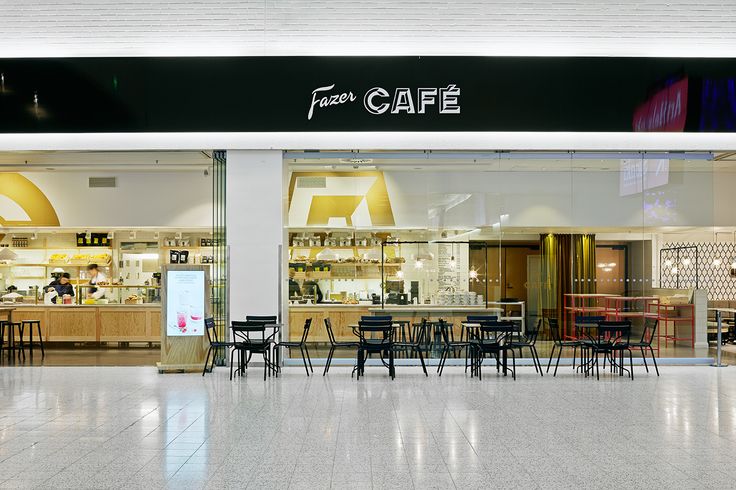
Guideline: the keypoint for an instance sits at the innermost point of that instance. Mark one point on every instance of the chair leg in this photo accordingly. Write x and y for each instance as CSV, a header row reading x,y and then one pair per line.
x,y
304,359
559,354
212,366
421,359
265,364
206,360
597,371
644,358
329,360
551,355
306,349
534,359
536,355
232,353
631,363
654,360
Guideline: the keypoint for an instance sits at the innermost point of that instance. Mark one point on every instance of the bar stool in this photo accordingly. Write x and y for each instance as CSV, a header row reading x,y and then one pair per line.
x,y
31,324
12,328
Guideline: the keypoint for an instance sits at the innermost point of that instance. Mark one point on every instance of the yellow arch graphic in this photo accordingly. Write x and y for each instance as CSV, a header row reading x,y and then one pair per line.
x,y
30,198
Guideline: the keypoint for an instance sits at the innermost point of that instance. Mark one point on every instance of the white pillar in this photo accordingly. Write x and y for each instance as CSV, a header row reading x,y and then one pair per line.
x,y
256,192
700,298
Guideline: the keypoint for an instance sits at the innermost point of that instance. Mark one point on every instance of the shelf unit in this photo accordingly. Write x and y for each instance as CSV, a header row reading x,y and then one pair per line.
x,y
629,307
582,304
507,315
672,315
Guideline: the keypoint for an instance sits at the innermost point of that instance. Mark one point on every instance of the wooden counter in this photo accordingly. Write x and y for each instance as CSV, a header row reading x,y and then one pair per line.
x,y
342,316
94,323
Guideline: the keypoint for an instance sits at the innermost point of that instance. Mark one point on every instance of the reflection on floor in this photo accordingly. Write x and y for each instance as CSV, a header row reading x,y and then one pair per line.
x,y
134,428
135,355
76,355
544,348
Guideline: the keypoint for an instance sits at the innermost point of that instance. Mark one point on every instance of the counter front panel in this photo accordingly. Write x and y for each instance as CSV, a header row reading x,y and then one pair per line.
x,y
119,323
342,316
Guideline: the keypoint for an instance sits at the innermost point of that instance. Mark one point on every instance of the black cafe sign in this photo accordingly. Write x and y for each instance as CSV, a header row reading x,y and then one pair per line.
x,y
323,94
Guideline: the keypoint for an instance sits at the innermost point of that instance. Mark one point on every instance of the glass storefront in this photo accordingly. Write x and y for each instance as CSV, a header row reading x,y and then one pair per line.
x,y
526,235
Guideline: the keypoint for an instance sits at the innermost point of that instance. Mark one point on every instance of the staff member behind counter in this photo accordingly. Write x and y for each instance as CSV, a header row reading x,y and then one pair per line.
x,y
95,277
62,286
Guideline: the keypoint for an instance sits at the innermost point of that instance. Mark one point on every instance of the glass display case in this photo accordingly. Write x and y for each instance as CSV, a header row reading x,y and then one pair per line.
x,y
119,294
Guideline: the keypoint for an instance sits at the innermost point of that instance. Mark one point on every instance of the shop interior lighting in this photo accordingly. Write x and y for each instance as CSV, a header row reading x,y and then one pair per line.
x,y
399,274
717,262
612,264
418,264
686,262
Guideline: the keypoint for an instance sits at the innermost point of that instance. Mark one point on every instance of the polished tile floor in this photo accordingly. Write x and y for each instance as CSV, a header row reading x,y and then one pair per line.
x,y
129,427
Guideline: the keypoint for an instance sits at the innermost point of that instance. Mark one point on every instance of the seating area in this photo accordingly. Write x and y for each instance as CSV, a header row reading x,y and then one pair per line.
x,y
597,346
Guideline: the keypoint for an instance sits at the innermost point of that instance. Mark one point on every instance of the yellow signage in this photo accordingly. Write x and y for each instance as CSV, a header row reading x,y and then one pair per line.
x,y
30,198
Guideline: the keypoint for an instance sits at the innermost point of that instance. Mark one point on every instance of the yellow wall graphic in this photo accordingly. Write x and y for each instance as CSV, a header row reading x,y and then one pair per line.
x,y
30,198
324,207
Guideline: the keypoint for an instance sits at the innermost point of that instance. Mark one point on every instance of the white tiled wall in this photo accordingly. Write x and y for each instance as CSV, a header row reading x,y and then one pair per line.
x,y
350,27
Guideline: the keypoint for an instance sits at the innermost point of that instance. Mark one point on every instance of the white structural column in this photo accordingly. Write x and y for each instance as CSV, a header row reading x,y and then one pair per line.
x,y
255,231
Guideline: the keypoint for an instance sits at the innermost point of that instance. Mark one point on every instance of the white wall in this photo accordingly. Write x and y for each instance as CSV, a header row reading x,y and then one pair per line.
x,y
350,27
167,199
256,189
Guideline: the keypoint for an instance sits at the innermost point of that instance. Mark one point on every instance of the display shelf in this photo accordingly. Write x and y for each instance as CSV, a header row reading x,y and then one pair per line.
x,y
672,315
629,307
582,304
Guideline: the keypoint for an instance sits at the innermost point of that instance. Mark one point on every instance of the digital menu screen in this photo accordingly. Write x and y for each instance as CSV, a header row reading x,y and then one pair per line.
x,y
185,303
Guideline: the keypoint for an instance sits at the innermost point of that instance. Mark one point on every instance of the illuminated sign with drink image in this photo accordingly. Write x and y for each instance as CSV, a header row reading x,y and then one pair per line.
x,y
185,303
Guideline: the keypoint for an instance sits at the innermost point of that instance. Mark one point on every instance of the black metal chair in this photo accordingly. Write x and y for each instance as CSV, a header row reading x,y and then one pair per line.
x,y
265,320
529,341
250,338
476,319
559,344
215,344
493,337
612,340
647,336
451,346
334,344
381,345
415,343
301,345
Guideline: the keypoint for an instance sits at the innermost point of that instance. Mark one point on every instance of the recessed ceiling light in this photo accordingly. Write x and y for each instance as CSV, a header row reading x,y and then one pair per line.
x,y
50,168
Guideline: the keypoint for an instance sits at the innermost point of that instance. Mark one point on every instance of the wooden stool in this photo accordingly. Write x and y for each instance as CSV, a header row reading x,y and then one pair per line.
x,y
31,324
